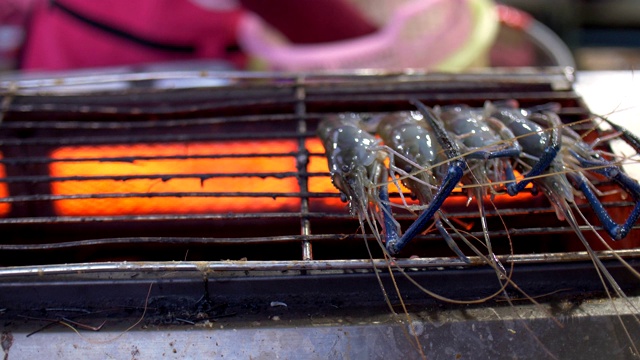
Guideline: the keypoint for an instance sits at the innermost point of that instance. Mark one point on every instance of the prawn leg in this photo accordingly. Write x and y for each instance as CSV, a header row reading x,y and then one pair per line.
x,y
548,156
455,172
449,240
390,230
615,230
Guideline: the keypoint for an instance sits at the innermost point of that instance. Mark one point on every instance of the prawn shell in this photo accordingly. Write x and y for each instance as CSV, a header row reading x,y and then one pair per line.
x,y
532,136
408,134
346,145
463,120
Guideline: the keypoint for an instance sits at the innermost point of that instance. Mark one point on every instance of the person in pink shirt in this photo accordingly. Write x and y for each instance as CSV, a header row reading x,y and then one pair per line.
x,y
71,34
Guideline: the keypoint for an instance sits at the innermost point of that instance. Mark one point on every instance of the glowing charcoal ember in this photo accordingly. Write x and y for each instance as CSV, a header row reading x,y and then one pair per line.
x,y
175,178
4,192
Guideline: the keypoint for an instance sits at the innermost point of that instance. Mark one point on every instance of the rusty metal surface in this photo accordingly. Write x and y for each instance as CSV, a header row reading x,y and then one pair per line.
x,y
589,330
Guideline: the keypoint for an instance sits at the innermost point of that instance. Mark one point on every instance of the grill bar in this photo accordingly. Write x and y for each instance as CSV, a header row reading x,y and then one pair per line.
x,y
163,123
354,102
166,194
96,140
286,239
130,159
339,265
301,164
171,217
304,215
202,177
559,78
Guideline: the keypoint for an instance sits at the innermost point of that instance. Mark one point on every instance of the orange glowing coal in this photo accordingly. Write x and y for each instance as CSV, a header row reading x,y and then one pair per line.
x,y
4,192
321,184
176,203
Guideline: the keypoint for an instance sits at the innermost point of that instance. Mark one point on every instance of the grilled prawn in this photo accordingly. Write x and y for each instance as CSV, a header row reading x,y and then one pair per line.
x,y
415,147
356,165
541,136
488,146
456,167
541,140
590,159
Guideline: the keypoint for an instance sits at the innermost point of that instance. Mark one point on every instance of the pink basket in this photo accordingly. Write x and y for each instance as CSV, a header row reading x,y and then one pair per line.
x,y
419,34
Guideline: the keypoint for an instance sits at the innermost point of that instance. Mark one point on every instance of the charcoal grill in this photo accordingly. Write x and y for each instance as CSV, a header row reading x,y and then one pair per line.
x,y
79,242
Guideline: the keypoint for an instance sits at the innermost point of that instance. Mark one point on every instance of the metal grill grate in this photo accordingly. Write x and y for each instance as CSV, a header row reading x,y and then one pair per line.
x,y
52,128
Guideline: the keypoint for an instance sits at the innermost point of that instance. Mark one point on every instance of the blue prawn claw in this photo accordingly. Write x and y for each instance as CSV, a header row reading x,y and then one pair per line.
x,y
391,233
603,167
452,179
529,127
548,156
519,123
455,172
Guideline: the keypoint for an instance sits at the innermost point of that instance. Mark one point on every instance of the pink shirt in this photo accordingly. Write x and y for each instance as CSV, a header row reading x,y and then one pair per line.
x,y
64,34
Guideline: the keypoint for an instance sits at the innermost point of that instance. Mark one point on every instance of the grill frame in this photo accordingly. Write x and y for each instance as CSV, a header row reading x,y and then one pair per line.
x,y
27,102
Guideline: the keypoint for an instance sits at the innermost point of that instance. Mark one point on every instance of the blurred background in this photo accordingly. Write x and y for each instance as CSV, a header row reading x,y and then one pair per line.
x,y
453,35
602,35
